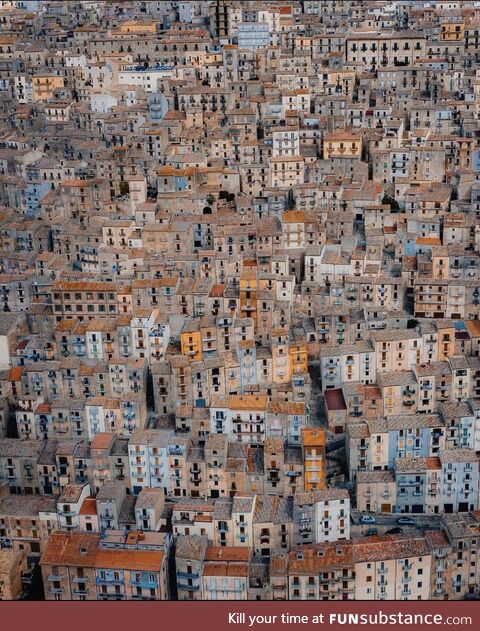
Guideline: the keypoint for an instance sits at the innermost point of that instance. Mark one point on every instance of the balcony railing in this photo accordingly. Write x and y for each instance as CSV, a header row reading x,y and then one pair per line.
x,y
192,575
190,588
144,583
109,581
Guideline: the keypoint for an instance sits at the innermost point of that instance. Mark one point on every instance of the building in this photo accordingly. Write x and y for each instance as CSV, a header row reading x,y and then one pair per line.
x,y
79,566
13,565
239,297
321,516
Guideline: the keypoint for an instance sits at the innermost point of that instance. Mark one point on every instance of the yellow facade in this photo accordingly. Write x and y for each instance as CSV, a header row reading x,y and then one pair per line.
x,y
131,26
452,31
446,342
342,145
314,442
298,358
191,342
44,86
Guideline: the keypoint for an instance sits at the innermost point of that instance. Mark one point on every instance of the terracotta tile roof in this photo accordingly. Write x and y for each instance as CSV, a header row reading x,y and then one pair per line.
x,y
89,506
384,547
82,550
15,373
230,553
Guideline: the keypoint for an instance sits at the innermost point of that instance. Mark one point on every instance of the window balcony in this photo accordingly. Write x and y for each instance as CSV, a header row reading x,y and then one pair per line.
x,y
54,577
55,590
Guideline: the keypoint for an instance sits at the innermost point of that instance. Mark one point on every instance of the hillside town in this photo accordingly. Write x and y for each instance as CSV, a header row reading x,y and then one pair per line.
x,y
239,300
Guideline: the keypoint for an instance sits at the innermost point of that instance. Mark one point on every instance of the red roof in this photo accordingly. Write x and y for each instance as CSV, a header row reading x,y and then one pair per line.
x,y
89,506
15,373
334,399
